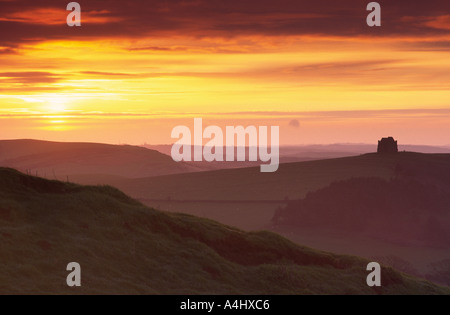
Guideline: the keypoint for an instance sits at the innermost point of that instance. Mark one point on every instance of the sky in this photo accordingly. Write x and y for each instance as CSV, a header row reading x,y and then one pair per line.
x,y
136,69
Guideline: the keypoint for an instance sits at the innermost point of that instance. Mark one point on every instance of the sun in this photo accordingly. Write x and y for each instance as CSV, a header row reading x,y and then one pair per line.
x,y
57,107
56,104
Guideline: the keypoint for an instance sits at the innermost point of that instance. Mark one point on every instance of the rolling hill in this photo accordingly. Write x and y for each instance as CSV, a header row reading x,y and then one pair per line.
x,y
299,153
124,247
399,210
247,199
98,162
291,181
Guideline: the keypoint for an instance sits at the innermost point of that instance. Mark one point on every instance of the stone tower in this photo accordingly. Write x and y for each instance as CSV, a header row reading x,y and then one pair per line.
x,y
387,145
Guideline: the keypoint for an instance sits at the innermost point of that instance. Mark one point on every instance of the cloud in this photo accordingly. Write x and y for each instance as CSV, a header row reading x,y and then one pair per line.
x,y
56,16
29,82
107,74
333,114
421,113
32,77
28,89
440,22
7,51
427,46
42,20
156,48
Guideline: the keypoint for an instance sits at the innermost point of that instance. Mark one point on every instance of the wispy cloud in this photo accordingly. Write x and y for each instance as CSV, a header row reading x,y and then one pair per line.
x,y
294,116
55,16
31,77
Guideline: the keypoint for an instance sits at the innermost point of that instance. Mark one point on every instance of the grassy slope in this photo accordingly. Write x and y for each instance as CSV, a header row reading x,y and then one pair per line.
x,y
124,247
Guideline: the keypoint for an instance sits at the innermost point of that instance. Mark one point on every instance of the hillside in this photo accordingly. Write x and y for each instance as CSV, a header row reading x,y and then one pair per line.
x,y
247,199
94,161
399,210
299,153
292,181
124,247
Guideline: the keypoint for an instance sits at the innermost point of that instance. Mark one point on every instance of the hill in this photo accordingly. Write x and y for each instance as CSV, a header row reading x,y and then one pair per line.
x,y
124,247
399,210
247,199
299,153
93,161
291,181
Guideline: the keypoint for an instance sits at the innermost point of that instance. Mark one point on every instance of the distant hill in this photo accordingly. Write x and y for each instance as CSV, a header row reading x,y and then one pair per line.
x,y
291,181
300,153
124,248
399,210
91,161
181,192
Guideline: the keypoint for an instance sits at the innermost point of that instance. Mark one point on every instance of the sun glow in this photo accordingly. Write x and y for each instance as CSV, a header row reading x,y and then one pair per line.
x,y
56,104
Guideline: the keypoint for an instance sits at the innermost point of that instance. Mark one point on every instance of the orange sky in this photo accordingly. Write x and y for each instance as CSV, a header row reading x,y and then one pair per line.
x,y
131,73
